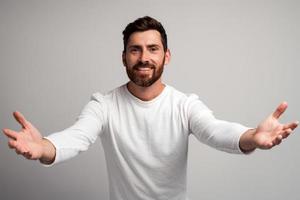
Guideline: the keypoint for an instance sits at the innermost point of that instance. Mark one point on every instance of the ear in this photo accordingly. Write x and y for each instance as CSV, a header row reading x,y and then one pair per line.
x,y
124,59
167,56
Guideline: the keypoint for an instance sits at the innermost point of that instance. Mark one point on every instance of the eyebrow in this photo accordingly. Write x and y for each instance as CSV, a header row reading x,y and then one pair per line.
x,y
153,45
139,46
134,46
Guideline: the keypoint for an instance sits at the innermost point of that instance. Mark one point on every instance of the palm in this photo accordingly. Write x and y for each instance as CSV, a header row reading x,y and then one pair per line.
x,y
267,132
270,132
27,141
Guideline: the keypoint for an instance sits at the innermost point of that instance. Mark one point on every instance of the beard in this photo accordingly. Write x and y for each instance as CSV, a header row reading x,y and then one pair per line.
x,y
145,80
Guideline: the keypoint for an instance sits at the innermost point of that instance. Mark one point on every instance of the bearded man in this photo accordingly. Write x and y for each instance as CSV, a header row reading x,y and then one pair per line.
x,y
145,124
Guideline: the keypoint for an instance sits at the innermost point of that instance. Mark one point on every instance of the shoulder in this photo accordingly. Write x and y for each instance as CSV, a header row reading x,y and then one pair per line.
x,y
108,96
100,103
182,97
188,101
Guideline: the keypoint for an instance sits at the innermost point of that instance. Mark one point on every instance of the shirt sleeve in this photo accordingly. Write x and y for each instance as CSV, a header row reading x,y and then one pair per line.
x,y
77,138
219,134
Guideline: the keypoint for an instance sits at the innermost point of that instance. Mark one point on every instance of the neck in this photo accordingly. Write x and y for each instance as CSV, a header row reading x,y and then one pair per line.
x,y
146,93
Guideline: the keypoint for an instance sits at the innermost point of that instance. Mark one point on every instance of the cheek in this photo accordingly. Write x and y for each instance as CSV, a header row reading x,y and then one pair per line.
x,y
160,60
131,60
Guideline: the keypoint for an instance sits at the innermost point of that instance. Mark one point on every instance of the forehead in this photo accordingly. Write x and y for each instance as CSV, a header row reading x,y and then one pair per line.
x,y
145,38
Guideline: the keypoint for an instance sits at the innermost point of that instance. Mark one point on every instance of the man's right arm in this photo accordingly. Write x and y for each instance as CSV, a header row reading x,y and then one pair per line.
x,y
62,145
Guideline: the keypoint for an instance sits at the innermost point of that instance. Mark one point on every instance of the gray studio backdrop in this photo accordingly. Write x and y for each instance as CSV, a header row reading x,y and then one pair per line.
x,y
241,57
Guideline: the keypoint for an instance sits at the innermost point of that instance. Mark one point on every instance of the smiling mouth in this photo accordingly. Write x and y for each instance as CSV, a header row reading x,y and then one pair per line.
x,y
144,69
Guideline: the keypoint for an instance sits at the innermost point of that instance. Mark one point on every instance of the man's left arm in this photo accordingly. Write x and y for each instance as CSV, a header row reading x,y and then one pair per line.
x,y
268,133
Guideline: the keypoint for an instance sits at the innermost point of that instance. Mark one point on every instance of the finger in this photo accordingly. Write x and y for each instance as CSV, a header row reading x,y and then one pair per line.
x,y
21,151
292,125
270,145
10,133
12,143
278,140
20,118
27,155
280,110
18,152
285,133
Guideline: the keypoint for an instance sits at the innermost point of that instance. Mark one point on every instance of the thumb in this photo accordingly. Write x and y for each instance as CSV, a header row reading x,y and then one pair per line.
x,y
280,110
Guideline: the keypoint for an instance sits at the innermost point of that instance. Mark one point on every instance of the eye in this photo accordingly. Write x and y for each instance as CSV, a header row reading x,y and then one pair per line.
x,y
134,50
154,49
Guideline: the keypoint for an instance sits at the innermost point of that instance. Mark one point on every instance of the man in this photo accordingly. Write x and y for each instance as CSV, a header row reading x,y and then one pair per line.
x,y
144,125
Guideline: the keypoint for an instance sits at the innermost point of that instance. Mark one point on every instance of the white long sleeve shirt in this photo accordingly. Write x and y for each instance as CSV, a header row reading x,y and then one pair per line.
x,y
146,142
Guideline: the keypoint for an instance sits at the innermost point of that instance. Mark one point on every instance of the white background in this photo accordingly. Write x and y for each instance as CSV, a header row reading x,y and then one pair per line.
x,y
240,56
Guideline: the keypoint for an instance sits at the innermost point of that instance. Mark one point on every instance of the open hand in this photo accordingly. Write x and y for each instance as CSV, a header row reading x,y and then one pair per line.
x,y
28,141
270,132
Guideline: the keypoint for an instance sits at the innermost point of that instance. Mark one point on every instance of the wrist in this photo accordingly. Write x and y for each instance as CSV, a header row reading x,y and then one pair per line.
x,y
247,142
48,152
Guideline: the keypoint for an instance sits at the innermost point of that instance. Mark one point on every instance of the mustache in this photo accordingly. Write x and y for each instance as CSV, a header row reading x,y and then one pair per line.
x,y
143,65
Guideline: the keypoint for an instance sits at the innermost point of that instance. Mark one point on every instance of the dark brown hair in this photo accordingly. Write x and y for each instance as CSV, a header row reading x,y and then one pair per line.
x,y
144,24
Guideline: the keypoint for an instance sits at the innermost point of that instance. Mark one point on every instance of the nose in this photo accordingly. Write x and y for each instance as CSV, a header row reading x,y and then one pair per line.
x,y
144,56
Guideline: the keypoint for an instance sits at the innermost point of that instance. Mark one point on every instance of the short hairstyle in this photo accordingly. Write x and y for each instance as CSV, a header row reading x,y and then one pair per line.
x,y
144,24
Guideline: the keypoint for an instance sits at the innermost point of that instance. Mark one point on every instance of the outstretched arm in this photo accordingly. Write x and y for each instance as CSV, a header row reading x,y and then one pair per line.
x,y
29,142
268,133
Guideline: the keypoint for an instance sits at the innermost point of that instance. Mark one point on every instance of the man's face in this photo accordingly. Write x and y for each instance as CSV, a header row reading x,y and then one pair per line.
x,y
145,57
